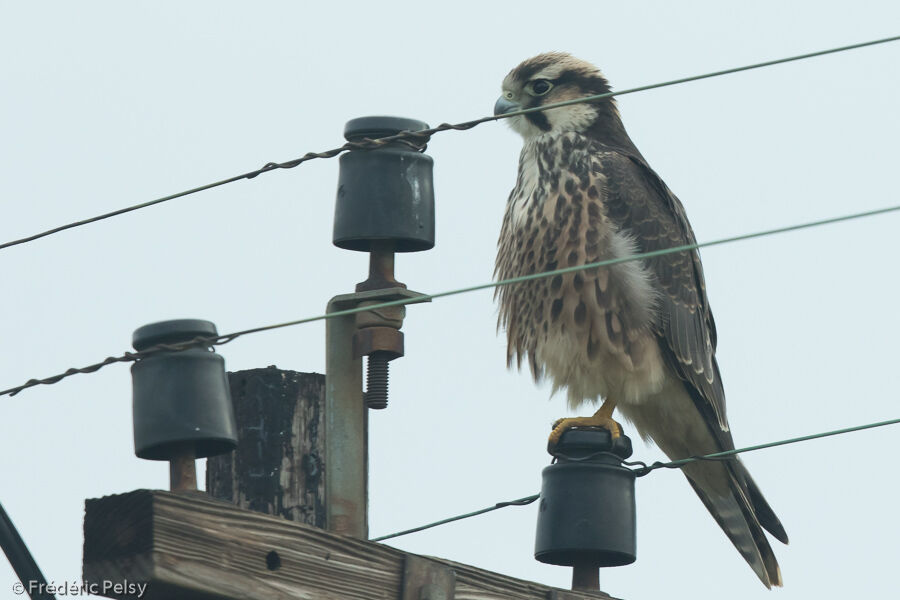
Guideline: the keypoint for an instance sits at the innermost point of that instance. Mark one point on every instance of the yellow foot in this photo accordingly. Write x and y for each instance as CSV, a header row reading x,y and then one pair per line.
x,y
598,420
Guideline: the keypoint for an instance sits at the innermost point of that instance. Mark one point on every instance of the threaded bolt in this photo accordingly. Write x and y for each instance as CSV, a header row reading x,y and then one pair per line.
x,y
377,380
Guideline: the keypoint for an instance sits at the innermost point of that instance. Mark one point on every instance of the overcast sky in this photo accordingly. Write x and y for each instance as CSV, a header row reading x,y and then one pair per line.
x,y
106,104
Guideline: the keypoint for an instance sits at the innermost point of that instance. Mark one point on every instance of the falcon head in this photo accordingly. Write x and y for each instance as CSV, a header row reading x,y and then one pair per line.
x,y
549,78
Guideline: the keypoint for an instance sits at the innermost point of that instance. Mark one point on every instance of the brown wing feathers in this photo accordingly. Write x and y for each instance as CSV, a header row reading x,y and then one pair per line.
x,y
639,202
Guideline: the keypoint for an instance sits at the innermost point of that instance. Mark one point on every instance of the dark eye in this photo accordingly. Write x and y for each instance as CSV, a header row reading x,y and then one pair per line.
x,y
541,87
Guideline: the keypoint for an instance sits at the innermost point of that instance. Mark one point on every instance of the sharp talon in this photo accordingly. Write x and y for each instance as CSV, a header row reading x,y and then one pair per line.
x,y
615,429
563,425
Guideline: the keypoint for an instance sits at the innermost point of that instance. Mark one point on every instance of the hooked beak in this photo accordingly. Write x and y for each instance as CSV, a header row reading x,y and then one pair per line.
x,y
504,106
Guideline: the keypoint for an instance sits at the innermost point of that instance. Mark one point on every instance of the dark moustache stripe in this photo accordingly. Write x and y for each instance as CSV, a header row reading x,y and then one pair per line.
x,y
539,120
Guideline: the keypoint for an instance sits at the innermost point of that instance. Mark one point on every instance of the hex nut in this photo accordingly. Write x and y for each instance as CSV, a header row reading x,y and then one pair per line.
x,y
378,339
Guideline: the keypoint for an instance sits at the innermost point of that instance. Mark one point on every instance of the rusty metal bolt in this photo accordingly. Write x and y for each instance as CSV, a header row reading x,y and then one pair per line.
x,y
381,345
377,380
379,337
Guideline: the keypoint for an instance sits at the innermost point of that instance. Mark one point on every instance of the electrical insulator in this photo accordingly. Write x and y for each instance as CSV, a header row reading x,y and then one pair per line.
x,y
586,517
386,195
181,398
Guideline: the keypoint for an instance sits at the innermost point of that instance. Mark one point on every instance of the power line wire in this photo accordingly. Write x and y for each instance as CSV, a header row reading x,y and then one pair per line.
x,y
420,138
520,502
21,560
224,339
644,469
128,209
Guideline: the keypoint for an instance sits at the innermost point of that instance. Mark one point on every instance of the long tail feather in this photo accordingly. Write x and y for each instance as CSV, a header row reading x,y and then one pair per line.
x,y
681,429
736,513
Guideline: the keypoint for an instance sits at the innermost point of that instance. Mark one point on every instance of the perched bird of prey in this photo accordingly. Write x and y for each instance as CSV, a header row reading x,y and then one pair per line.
x,y
637,335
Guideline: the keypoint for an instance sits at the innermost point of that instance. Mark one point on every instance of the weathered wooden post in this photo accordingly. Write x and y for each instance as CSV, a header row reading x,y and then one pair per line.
x,y
277,467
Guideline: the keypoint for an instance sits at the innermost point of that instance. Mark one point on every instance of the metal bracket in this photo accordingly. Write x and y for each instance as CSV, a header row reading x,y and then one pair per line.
x,y
425,579
346,453
345,301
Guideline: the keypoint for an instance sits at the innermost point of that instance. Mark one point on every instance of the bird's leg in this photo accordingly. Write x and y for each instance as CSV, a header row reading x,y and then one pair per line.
x,y
602,418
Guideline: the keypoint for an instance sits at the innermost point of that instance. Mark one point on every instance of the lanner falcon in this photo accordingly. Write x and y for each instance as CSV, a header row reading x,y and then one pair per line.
x,y
638,335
